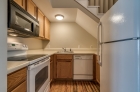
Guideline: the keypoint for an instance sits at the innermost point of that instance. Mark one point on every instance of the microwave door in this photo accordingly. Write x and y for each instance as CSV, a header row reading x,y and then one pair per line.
x,y
21,21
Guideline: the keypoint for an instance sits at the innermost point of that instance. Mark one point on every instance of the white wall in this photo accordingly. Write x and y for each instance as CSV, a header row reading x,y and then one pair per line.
x,y
69,35
3,46
31,42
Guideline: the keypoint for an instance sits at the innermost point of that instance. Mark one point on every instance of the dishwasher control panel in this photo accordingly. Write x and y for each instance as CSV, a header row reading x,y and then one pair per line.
x,y
83,56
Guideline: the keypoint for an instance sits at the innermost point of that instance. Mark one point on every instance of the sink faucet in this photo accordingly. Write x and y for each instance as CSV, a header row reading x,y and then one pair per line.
x,y
64,49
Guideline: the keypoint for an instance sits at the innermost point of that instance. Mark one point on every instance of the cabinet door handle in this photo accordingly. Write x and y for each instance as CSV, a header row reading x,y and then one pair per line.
x,y
67,61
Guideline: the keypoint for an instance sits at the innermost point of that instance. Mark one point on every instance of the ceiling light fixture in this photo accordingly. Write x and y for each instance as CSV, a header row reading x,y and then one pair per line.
x,y
12,34
59,17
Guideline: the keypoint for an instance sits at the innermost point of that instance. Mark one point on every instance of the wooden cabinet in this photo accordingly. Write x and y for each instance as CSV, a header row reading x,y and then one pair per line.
x,y
64,69
44,24
41,23
64,66
17,80
31,8
47,28
22,3
97,70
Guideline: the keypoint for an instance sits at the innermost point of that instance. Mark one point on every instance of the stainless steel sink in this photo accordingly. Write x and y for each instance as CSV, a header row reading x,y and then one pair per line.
x,y
65,52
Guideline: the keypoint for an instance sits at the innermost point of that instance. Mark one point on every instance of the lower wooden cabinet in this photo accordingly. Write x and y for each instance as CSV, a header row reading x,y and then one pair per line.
x,y
17,80
64,69
21,3
63,66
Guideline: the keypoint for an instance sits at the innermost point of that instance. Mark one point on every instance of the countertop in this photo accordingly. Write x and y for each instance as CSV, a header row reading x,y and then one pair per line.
x,y
55,52
16,65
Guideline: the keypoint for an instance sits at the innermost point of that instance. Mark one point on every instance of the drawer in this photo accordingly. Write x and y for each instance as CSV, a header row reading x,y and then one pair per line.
x,y
64,56
21,88
16,79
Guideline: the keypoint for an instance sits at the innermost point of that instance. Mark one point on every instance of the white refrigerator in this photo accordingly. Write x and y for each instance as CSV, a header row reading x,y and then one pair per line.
x,y
119,48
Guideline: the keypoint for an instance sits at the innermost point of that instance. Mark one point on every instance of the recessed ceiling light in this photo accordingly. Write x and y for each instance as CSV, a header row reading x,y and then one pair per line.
x,y
59,17
12,34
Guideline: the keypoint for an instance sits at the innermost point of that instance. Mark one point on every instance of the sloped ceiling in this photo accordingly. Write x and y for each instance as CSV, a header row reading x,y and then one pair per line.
x,y
70,15
87,23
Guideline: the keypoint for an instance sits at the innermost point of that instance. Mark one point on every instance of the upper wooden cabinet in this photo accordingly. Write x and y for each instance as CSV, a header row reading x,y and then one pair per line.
x,y
44,25
41,23
47,29
31,8
22,3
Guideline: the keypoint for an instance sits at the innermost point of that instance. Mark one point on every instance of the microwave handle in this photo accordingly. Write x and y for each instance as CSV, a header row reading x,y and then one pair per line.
x,y
24,28
27,29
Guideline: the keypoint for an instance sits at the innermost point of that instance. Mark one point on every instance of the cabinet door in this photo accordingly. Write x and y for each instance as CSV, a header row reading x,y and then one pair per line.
x,y
21,3
31,8
41,23
47,28
64,69
97,70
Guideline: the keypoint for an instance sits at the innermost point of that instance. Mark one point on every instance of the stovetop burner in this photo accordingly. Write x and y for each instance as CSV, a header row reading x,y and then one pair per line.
x,y
25,57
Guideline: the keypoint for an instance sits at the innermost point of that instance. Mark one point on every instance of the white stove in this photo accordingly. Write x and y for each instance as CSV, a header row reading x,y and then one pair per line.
x,y
38,70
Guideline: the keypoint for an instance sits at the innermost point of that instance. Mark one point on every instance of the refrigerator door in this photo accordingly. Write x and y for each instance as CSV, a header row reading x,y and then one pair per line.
x,y
120,67
122,21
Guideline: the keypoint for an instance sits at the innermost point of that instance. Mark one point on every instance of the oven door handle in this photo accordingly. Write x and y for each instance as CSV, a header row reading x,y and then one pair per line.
x,y
37,64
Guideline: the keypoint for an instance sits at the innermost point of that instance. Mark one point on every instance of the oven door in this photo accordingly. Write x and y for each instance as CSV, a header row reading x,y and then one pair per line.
x,y
39,76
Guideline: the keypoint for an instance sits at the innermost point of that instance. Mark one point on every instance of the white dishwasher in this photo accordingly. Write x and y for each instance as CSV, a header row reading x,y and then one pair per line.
x,y
83,67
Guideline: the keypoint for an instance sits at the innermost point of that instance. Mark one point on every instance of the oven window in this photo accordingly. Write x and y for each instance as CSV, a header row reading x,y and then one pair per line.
x,y
23,22
40,78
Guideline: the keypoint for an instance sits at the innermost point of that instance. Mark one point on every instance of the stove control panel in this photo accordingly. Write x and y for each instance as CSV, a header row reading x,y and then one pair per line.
x,y
16,46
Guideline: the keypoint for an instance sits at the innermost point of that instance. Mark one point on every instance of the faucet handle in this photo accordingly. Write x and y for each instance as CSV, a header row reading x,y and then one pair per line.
x,y
70,49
